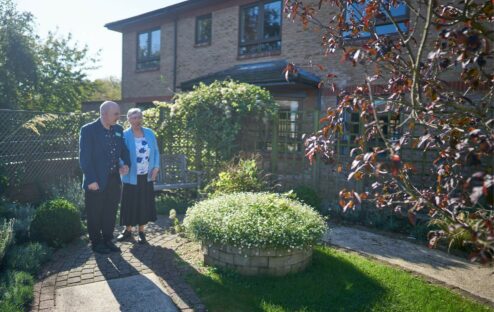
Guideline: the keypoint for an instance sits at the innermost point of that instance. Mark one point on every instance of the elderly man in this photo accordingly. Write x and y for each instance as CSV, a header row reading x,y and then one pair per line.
x,y
103,156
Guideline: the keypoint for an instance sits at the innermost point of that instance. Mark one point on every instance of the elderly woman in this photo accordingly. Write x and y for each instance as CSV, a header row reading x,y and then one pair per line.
x,y
138,207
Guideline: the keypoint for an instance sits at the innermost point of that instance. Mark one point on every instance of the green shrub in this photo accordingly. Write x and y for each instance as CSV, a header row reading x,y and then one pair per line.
x,y
421,230
5,209
70,189
7,306
242,175
23,215
18,292
176,226
458,238
254,220
56,222
6,237
307,195
178,201
4,181
29,257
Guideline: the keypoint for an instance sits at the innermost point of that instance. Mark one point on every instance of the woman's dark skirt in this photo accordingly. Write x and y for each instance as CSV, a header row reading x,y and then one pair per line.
x,y
138,207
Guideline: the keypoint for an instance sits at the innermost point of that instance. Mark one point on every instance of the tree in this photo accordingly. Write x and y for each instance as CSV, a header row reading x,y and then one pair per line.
x,y
62,83
18,73
39,74
106,88
435,75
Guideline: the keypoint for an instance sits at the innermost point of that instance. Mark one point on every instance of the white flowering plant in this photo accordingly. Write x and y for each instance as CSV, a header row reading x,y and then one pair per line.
x,y
255,220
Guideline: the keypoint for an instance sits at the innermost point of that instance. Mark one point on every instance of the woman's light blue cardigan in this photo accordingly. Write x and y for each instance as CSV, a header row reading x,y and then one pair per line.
x,y
154,154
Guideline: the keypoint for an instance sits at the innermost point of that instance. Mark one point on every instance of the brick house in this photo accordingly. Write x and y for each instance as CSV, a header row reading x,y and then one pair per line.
x,y
170,49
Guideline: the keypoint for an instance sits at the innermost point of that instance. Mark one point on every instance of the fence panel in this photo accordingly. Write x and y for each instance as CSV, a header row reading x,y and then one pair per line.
x,y
38,147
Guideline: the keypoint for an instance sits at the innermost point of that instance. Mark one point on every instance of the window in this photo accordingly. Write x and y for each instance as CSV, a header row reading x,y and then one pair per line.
x,y
260,27
289,135
353,127
203,29
148,49
351,130
382,25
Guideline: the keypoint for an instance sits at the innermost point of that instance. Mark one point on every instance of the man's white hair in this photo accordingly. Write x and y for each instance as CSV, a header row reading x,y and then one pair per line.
x,y
134,111
105,106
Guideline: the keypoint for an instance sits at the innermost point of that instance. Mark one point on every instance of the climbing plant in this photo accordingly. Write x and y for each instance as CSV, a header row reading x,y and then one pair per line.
x,y
205,123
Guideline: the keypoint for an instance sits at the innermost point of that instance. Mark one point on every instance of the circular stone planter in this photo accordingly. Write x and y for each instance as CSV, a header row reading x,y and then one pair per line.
x,y
257,261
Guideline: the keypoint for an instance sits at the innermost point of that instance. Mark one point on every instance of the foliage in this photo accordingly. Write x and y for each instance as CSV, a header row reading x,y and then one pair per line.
x,y
383,219
18,291
249,220
71,190
18,76
458,237
336,279
241,174
47,74
106,89
21,215
178,201
6,236
204,124
56,222
4,181
306,195
177,228
63,83
436,81
28,257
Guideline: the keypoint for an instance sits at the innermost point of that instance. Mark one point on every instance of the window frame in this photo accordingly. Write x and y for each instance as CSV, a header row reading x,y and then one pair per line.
x,y
386,120
198,18
399,19
141,62
289,128
260,28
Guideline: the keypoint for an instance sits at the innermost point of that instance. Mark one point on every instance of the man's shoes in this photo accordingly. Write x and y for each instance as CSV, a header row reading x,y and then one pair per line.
x,y
112,247
100,248
142,238
124,236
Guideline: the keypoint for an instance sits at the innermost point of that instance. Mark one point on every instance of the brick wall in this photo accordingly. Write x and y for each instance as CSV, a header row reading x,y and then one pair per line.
x,y
299,46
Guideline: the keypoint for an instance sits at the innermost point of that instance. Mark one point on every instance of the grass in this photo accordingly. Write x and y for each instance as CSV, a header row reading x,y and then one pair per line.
x,y
336,281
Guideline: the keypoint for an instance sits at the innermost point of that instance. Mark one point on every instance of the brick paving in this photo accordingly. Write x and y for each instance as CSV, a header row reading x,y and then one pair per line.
x,y
77,264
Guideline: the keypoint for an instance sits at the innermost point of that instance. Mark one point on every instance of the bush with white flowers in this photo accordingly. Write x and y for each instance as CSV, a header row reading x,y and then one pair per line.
x,y
250,220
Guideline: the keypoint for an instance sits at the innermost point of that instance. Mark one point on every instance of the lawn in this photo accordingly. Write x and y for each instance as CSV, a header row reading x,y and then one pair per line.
x,y
336,281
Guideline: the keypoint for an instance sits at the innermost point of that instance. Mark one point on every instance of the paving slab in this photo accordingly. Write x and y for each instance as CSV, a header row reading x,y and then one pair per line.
x,y
134,293
475,279
76,279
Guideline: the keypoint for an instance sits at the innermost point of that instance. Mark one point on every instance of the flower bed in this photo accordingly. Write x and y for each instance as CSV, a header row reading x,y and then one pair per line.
x,y
255,233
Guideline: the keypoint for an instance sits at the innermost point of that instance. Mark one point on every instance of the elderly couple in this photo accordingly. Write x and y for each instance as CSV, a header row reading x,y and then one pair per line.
x,y
108,156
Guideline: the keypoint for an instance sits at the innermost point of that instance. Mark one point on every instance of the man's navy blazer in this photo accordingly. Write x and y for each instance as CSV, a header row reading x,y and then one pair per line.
x,y
94,153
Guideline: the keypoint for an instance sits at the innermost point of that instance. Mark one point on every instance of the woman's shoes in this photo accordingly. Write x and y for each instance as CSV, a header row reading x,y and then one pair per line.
x,y
127,235
142,238
124,236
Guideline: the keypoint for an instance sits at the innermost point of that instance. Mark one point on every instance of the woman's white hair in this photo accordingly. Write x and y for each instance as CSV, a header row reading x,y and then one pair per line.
x,y
134,111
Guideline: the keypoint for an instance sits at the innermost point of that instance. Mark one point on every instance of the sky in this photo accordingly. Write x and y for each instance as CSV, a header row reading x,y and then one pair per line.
x,y
85,20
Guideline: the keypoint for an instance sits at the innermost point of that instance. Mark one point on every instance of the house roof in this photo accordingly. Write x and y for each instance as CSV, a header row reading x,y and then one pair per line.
x,y
171,10
264,74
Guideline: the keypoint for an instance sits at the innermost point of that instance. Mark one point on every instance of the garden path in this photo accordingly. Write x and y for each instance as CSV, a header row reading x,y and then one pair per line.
x,y
141,278
456,273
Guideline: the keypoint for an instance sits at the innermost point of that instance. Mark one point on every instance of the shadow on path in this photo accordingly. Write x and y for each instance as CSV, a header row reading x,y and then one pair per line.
x,y
162,262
